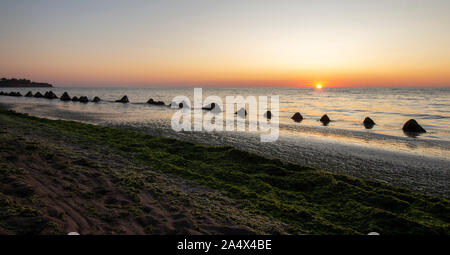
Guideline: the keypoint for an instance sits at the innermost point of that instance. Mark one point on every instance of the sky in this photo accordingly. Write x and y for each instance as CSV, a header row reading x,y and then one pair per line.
x,y
226,43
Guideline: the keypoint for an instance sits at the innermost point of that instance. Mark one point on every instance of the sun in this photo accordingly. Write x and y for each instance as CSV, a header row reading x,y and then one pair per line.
x,y
318,86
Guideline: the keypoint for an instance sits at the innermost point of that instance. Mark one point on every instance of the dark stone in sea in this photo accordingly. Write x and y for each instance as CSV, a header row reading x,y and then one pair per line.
x,y
15,94
151,101
325,120
50,95
297,117
65,97
241,112
182,104
96,99
268,115
2,93
29,94
209,107
124,99
413,127
368,123
38,95
75,99
84,99
179,105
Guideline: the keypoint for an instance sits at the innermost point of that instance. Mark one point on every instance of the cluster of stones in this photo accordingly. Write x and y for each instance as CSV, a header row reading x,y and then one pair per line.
x,y
411,126
11,94
82,99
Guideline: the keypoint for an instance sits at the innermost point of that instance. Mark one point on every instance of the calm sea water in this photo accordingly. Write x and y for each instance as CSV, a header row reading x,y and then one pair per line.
x,y
347,107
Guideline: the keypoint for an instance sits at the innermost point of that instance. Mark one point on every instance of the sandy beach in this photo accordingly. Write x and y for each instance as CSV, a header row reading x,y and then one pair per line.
x,y
61,176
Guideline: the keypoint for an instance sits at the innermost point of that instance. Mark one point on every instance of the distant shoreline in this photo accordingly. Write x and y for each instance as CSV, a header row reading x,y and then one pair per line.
x,y
22,83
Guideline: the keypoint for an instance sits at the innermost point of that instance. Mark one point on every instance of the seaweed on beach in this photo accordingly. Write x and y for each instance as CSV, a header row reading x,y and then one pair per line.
x,y
296,199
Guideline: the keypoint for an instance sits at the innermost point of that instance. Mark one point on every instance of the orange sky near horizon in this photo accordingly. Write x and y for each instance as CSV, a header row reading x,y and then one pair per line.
x,y
231,43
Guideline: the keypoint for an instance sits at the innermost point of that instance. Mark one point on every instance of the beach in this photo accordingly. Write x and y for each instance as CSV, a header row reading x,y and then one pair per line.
x,y
61,176
384,153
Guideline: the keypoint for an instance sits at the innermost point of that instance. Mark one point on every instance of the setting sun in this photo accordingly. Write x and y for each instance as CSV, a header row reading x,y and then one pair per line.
x,y
318,86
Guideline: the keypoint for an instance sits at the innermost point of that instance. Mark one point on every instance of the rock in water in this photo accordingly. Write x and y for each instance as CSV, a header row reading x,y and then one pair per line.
x,y
297,117
368,123
209,107
15,94
325,119
96,99
413,127
124,99
2,93
75,99
268,115
175,105
65,97
241,112
151,101
50,95
84,99
29,94
38,95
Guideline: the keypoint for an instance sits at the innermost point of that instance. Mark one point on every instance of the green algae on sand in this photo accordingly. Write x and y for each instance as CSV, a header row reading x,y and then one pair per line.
x,y
306,200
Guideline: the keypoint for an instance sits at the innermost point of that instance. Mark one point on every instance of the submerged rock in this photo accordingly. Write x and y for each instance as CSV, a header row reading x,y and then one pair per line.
x,y
14,94
50,95
65,97
29,94
124,100
325,119
38,95
413,127
241,112
209,107
84,99
179,105
297,117
75,99
368,123
268,115
96,99
151,101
